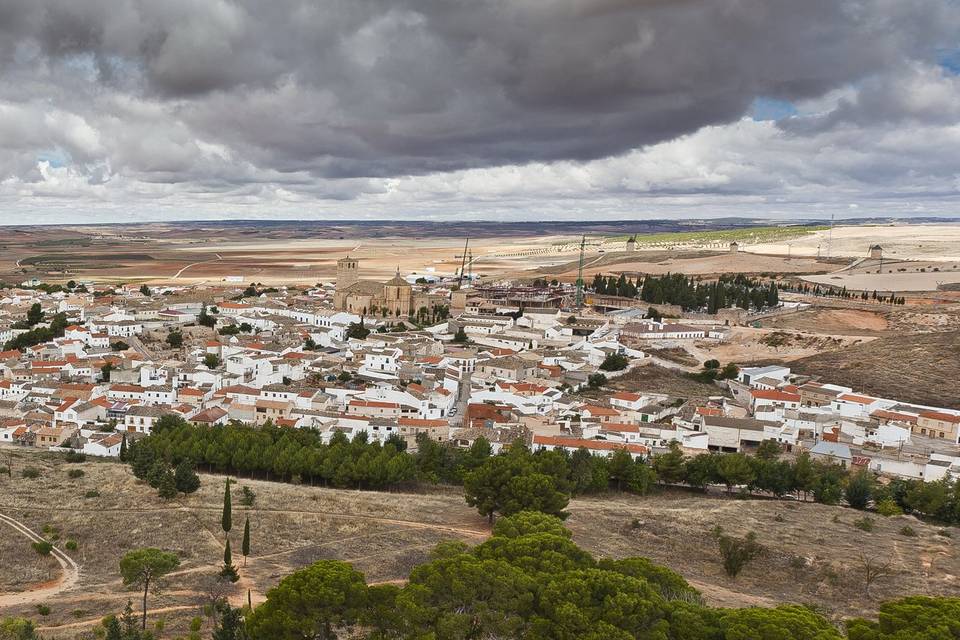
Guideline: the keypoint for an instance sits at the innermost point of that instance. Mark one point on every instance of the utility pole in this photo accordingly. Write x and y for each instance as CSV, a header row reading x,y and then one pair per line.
x,y
463,262
830,237
579,303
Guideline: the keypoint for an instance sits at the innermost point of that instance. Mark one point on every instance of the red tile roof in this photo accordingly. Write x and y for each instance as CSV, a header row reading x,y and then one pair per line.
x,y
597,445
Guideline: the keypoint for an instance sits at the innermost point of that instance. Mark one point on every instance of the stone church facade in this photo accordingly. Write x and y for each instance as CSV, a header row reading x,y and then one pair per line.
x,y
395,298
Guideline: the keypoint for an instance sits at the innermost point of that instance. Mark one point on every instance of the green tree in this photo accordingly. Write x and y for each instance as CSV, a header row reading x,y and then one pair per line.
x,y
804,474
912,618
669,584
460,337
534,492
142,568
175,339
355,330
167,486
245,545
786,622
592,603
145,290
828,484
729,372
701,470
211,361
859,489
670,466
226,517
17,629
596,380
185,478
529,522
620,468
229,624
485,487
735,469
614,362
228,570
769,450
313,603
35,314
462,596
204,319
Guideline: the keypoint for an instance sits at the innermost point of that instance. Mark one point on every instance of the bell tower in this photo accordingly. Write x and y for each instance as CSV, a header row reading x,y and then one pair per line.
x,y
346,272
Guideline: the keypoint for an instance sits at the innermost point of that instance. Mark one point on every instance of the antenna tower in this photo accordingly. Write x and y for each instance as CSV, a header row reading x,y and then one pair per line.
x,y
579,303
830,237
463,262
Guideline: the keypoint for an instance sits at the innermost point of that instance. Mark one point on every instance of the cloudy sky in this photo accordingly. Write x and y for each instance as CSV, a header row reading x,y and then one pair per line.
x,y
128,110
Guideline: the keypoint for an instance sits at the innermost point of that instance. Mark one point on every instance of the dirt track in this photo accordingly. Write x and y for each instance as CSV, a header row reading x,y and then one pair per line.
x,y
39,593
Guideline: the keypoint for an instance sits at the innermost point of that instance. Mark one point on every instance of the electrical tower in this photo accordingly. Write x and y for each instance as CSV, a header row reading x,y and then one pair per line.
x,y
579,303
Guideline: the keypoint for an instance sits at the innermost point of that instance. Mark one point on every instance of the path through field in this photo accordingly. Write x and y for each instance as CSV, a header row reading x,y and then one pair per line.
x,y
71,572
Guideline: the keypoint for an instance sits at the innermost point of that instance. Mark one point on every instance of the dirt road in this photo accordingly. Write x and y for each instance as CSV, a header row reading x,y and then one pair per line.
x,y
71,572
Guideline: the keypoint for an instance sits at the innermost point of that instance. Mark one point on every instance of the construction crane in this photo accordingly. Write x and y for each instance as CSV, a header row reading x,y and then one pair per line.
x,y
579,302
463,263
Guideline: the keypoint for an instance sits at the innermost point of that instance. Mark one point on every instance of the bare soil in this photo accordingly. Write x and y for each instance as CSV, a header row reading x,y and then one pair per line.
x,y
922,368
813,553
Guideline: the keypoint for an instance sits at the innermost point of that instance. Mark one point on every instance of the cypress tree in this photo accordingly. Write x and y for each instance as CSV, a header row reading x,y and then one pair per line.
x,y
245,545
226,520
227,555
123,449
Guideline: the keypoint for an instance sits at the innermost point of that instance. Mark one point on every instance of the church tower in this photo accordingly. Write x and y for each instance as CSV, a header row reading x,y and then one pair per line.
x,y
346,272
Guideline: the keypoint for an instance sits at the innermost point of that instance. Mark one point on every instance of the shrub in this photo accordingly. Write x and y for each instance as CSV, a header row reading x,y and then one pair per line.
x,y
75,473
908,531
779,518
247,496
944,533
43,609
71,545
865,524
31,472
74,456
43,547
92,493
78,613
4,470
736,552
888,507
798,562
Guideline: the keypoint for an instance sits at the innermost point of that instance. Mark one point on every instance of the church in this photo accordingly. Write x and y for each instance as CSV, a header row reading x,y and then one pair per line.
x,y
395,298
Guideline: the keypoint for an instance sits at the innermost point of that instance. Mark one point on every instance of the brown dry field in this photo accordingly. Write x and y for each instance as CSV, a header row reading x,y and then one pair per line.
x,y
385,535
673,529
209,252
922,367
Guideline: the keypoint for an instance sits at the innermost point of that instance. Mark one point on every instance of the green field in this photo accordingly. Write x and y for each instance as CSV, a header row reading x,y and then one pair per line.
x,y
747,234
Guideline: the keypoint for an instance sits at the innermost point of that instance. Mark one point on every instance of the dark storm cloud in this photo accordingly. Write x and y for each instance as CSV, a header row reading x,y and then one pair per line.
x,y
393,87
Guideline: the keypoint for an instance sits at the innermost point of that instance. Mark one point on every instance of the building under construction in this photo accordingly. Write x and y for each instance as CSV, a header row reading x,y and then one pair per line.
x,y
526,296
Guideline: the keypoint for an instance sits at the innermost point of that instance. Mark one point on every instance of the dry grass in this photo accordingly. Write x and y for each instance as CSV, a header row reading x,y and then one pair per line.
x,y
922,368
811,556
385,535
